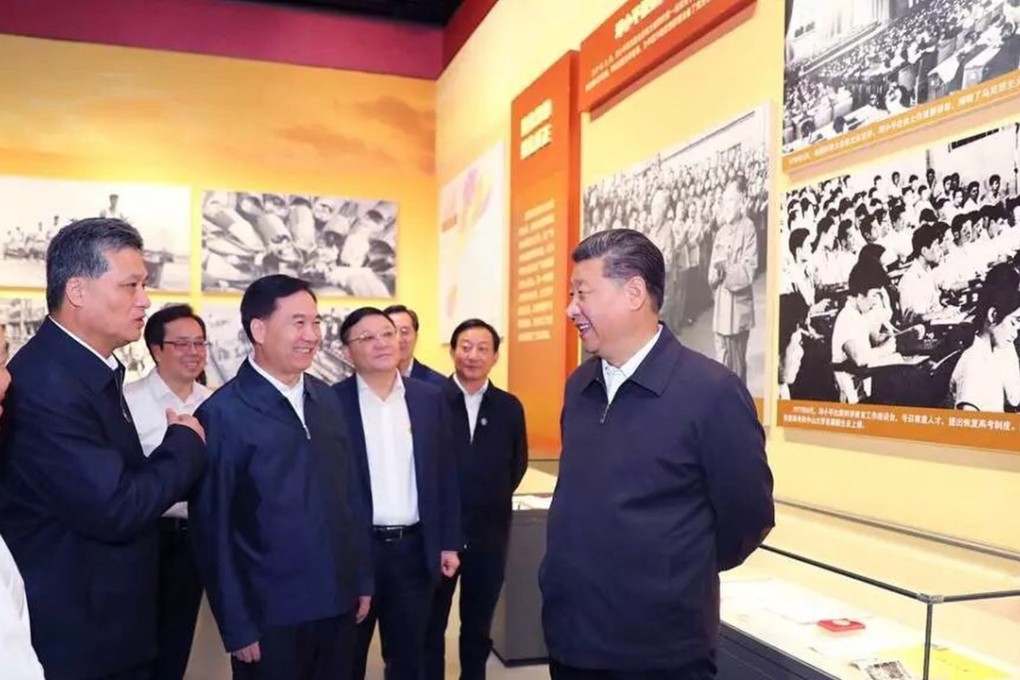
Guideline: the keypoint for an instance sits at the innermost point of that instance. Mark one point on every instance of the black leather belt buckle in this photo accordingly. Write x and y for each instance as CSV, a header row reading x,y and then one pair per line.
x,y
393,534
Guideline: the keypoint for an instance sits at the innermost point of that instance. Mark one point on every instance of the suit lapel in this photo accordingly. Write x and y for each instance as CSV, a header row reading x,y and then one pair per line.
x,y
265,398
417,416
348,391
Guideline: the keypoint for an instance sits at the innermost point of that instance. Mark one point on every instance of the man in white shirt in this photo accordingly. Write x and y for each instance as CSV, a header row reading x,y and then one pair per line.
x,y
400,434
920,293
176,338
17,658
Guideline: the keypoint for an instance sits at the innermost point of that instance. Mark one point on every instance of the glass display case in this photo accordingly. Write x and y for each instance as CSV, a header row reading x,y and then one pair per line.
x,y
833,596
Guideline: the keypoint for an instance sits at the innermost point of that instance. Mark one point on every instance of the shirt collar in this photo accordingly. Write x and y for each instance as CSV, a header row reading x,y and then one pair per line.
x,y
160,389
398,386
477,394
110,361
410,369
631,365
285,390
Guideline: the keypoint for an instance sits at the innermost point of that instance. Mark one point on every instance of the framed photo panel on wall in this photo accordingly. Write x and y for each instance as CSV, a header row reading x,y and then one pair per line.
x,y
859,71
35,208
900,296
343,246
704,202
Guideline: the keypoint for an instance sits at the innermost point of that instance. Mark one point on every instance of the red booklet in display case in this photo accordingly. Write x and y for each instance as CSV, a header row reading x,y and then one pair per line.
x,y
840,625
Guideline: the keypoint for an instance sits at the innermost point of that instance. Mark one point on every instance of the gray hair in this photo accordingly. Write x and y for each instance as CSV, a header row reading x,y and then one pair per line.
x,y
79,250
626,253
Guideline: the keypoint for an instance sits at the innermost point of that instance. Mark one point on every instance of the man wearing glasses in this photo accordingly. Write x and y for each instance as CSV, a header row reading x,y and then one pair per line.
x,y
400,437
176,338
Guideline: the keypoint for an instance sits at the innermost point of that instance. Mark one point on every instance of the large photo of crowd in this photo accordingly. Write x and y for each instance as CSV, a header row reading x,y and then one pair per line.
x,y
36,208
705,204
850,63
229,345
342,246
900,283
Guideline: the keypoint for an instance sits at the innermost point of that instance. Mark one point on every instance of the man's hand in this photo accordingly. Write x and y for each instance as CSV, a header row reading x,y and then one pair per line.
x,y
249,654
449,563
173,418
364,604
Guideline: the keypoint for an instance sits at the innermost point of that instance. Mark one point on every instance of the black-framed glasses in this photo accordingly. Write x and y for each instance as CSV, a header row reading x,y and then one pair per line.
x,y
182,345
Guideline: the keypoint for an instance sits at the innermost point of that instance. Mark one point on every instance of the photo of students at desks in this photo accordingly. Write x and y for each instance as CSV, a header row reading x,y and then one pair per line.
x,y
866,318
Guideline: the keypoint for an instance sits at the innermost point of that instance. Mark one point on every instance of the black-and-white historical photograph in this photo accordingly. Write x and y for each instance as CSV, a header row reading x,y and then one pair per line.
x,y
36,208
854,62
21,318
900,283
343,246
229,345
705,204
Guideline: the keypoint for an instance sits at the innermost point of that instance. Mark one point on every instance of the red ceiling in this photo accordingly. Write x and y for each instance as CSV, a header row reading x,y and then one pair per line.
x,y
251,31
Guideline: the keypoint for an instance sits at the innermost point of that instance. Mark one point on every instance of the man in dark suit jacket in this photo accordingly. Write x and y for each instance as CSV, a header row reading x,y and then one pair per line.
x,y
491,441
79,502
280,530
406,321
399,430
663,482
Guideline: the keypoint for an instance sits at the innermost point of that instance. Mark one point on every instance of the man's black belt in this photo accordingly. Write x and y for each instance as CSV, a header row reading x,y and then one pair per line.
x,y
391,534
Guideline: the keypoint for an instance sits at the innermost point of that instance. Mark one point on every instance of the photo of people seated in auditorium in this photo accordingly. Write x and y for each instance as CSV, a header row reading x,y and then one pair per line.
x,y
851,63
908,277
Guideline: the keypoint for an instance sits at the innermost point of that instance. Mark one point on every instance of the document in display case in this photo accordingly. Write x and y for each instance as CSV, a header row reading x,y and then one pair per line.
x,y
835,597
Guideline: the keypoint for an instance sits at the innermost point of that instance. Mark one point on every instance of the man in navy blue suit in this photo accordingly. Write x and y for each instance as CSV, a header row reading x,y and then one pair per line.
x,y
399,430
663,482
491,441
79,502
405,320
280,529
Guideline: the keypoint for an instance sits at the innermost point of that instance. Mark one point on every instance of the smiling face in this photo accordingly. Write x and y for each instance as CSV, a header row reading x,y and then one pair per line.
x,y
474,355
599,307
286,340
372,345
183,354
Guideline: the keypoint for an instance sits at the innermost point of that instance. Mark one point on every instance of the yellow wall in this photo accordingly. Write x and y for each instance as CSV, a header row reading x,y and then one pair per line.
x,y
967,493
80,111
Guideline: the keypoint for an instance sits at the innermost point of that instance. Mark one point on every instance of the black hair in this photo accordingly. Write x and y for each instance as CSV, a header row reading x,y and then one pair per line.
x,y
474,323
626,253
155,327
403,309
261,297
356,316
79,249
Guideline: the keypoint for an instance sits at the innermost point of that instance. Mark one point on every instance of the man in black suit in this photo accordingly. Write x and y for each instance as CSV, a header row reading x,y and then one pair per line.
x,y
491,441
280,529
79,502
406,321
399,431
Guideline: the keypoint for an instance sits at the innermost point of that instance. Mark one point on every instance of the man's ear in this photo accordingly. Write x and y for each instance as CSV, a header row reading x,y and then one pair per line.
x,y
637,292
74,291
258,331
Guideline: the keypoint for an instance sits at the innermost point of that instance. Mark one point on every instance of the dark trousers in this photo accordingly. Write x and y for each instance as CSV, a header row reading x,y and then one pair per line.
x,y
481,579
401,605
180,596
701,670
143,672
314,650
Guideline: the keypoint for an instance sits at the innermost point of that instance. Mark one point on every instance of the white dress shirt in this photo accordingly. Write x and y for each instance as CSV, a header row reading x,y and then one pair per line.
x,y
390,447
410,368
615,377
472,402
295,394
18,660
110,361
148,399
